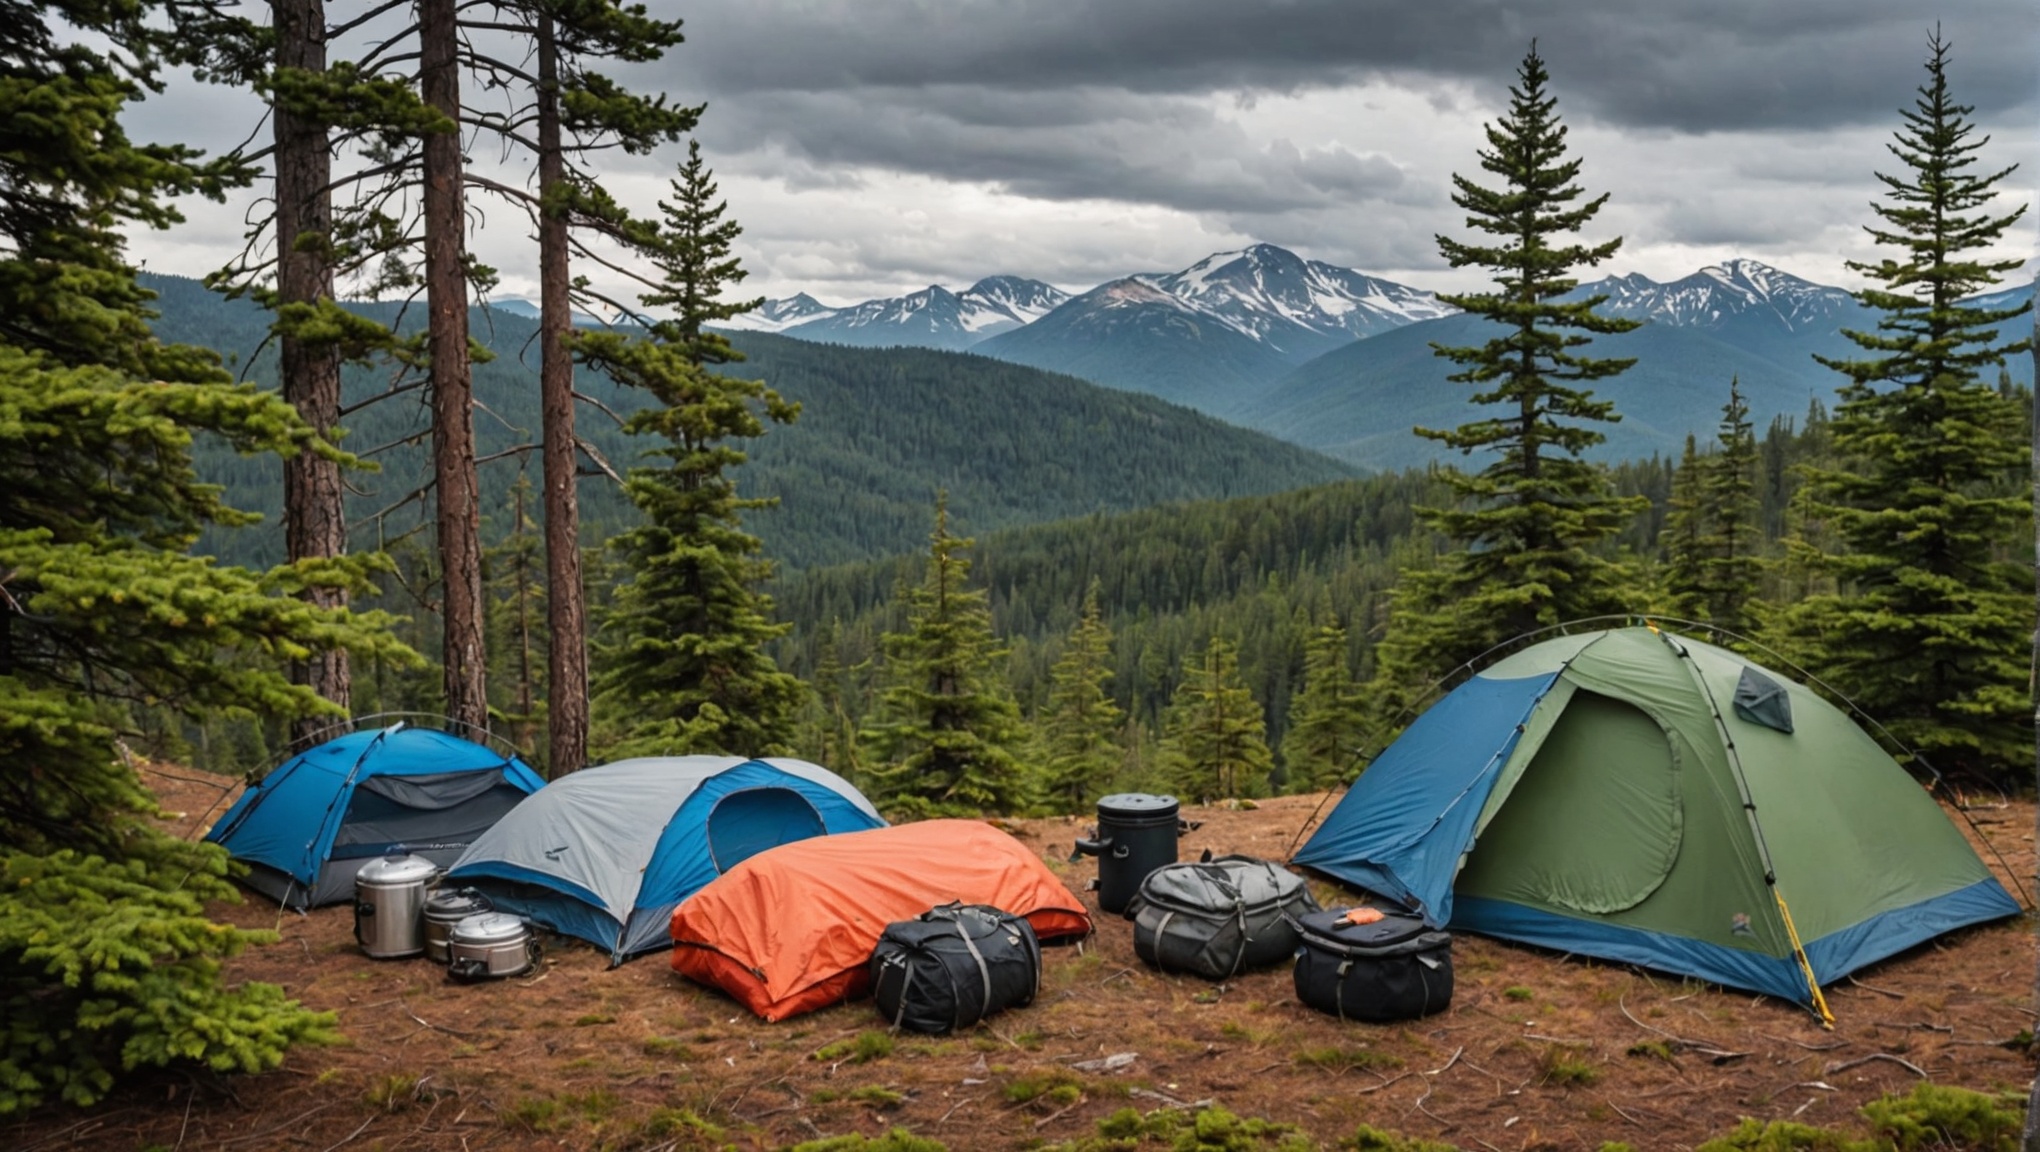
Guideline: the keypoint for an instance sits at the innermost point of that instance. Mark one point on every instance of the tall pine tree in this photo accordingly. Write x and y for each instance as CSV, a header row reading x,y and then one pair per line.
x,y
1080,725
1530,525
108,962
1215,736
684,660
1328,721
946,730
1712,560
1928,628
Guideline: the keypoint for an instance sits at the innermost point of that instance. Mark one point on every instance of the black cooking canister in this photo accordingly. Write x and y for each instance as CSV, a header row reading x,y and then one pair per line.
x,y
1136,834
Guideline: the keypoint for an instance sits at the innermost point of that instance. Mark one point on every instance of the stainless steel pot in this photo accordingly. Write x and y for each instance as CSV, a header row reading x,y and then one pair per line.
x,y
491,945
444,908
389,902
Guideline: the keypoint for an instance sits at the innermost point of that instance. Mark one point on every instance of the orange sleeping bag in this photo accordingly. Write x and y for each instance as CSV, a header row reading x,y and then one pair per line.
x,y
792,929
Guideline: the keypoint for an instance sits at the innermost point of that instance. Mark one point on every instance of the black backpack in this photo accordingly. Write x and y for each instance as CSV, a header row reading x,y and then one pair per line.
x,y
1218,918
953,966
1396,968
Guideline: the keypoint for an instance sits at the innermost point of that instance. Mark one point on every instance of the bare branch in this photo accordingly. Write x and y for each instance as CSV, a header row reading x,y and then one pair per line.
x,y
334,33
379,397
596,455
605,409
517,450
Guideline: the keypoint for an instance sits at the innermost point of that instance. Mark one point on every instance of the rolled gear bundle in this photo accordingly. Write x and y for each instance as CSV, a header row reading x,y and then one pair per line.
x,y
1218,917
953,966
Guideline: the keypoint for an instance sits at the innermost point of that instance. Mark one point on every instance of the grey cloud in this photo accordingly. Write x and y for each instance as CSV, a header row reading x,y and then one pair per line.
x,y
1167,150
1693,65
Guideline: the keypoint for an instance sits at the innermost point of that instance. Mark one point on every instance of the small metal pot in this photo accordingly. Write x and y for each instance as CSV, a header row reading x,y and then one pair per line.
x,y
490,946
445,908
389,901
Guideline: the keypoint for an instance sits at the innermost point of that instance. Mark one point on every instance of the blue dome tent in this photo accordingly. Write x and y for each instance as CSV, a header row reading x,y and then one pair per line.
x,y
307,827
607,853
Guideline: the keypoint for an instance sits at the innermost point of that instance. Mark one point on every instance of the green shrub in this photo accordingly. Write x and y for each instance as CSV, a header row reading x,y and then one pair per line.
x,y
861,1049
1055,1085
1337,1058
1566,1068
897,1140
1370,1139
1933,1116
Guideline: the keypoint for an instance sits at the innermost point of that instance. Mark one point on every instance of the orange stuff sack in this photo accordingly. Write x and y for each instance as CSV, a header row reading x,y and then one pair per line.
x,y
792,929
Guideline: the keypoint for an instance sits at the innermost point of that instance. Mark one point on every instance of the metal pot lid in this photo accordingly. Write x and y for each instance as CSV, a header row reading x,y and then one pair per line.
x,y
1137,804
489,928
396,871
456,903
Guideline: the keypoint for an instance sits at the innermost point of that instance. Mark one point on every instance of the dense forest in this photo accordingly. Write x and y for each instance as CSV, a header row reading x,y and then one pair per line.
x,y
880,431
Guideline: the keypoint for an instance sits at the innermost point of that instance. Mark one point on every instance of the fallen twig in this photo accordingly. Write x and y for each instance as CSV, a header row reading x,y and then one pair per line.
x,y
1383,1084
1717,1055
436,1027
1861,1060
955,1106
1624,1114
1876,989
1829,1047
1058,1114
351,1135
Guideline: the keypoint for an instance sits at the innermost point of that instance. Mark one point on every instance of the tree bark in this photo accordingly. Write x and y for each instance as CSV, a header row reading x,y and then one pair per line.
x,y
314,514
566,611
453,435
2031,1143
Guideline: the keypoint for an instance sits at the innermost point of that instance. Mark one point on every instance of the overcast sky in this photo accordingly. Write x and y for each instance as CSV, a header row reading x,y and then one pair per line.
x,y
873,147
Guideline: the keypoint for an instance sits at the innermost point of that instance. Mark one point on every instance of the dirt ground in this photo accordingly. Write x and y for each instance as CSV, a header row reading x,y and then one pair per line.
x,y
1537,1051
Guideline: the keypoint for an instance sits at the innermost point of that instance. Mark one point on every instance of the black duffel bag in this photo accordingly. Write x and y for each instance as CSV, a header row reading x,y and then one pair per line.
x,y
1395,968
1218,918
953,966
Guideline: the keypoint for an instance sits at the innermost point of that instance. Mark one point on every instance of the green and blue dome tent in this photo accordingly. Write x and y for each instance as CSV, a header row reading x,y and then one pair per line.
x,y
309,825
1647,798
607,853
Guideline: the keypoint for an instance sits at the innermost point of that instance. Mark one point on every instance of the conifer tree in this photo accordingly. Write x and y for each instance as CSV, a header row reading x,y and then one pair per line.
x,y
1328,721
685,666
1712,552
945,734
1080,725
514,571
1215,737
832,735
1927,630
1531,524
108,963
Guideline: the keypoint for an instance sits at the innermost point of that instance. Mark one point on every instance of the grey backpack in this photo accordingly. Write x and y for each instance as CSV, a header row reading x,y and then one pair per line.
x,y
1219,917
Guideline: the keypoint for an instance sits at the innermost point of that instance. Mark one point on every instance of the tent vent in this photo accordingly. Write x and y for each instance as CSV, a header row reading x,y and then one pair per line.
x,y
1762,700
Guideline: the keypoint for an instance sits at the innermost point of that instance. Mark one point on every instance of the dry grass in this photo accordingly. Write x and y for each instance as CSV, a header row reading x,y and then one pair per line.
x,y
581,1056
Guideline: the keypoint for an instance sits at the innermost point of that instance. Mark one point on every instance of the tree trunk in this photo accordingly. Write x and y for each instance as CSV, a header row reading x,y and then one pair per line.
x,y
2031,1142
453,433
314,513
566,613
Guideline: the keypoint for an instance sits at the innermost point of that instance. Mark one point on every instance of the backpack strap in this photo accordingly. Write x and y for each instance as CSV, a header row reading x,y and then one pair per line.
x,y
984,973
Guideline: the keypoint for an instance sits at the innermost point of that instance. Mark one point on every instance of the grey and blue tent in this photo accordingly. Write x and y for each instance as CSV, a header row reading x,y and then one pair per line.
x,y
607,853
1647,798
309,825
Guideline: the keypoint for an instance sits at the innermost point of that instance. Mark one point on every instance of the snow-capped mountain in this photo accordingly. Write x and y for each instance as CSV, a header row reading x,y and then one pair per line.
x,y
1132,335
1300,307
1737,291
934,317
779,315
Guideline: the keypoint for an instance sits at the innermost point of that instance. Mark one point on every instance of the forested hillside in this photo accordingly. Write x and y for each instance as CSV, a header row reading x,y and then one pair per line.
x,y
881,430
